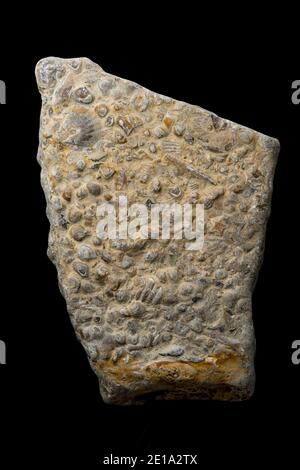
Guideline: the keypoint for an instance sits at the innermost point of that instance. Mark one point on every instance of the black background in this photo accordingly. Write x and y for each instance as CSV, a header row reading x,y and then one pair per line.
x,y
51,410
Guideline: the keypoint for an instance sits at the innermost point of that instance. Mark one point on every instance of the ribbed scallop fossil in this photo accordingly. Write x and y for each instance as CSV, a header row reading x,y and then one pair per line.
x,y
79,128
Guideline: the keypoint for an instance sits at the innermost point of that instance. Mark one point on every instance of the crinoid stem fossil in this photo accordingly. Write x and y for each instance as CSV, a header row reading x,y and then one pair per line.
x,y
156,319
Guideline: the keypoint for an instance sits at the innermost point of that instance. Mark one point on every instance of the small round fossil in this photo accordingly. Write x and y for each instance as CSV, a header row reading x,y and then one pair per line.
x,y
101,110
78,232
175,192
81,268
83,95
86,252
94,188
74,215
152,148
160,132
101,272
109,121
179,129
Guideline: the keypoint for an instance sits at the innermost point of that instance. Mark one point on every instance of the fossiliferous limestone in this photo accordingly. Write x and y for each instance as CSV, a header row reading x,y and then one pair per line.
x,y
155,319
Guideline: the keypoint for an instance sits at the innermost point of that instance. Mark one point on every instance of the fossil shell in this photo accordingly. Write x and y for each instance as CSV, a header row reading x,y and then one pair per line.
x,y
79,128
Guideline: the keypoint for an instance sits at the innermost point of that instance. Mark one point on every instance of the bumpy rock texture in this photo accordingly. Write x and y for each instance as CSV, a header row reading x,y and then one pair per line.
x,y
156,320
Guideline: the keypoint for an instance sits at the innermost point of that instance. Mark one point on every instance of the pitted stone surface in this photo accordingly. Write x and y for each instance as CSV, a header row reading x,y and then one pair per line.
x,y
155,319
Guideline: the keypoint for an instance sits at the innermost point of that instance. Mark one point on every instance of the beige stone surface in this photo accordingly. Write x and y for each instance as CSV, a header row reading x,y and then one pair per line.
x,y
155,319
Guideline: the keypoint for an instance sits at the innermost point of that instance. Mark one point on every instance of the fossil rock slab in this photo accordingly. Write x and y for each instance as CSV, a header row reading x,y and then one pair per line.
x,y
155,319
